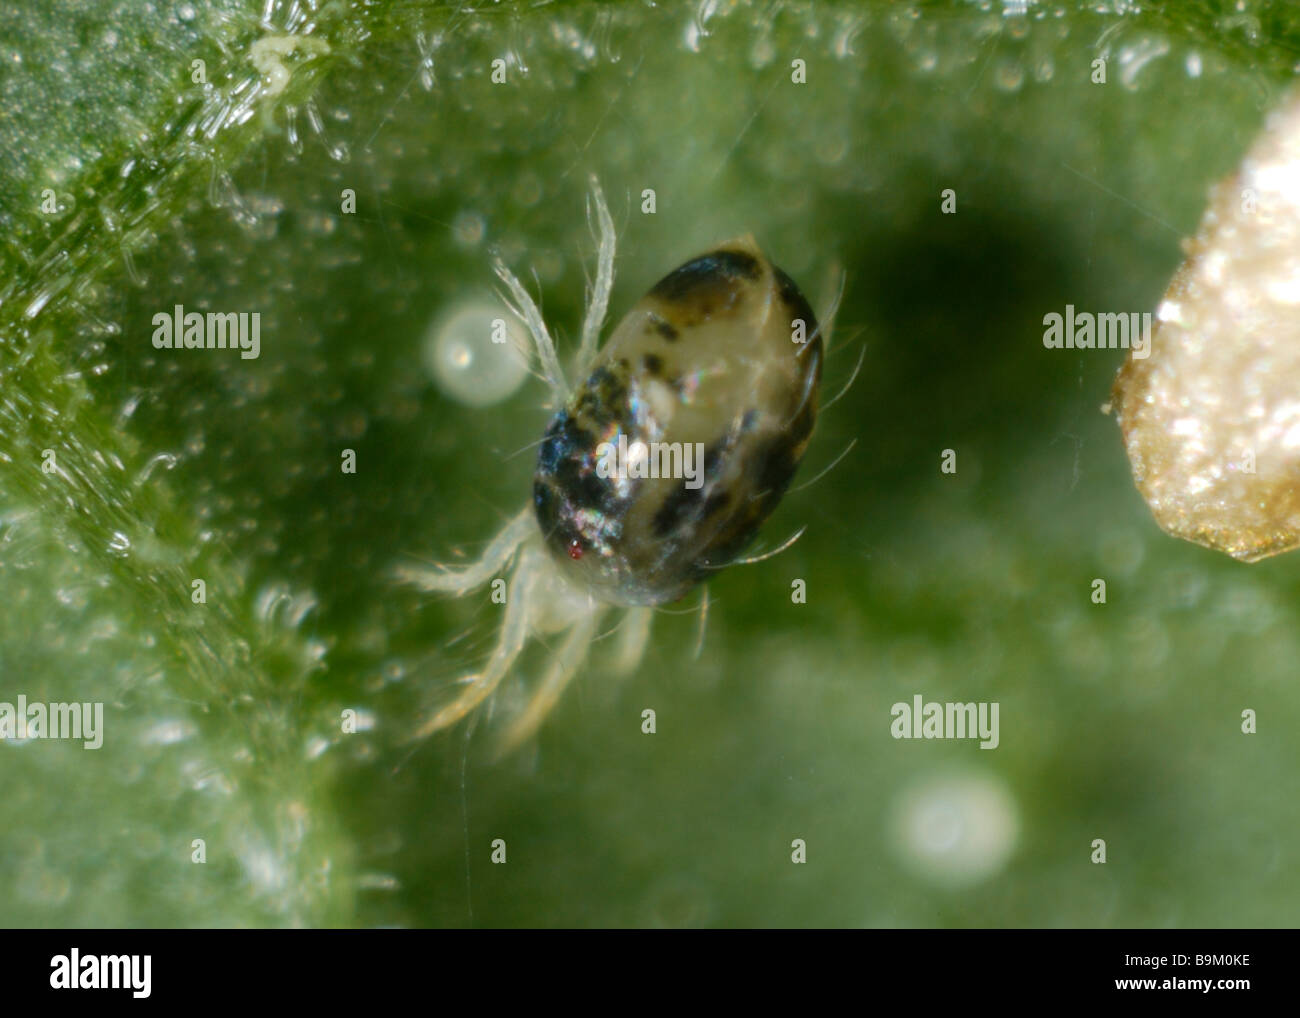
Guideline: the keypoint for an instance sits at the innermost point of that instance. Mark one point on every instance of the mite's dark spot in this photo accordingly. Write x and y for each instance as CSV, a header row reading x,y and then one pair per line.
x,y
715,502
801,426
583,490
565,481
713,455
664,328
685,507
715,273
548,457
776,466
577,440
653,365
603,399
550,516
678,510
569,497
797,304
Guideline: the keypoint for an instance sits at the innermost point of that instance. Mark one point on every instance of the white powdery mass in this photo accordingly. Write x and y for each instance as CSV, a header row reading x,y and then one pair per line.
x,y
1211,420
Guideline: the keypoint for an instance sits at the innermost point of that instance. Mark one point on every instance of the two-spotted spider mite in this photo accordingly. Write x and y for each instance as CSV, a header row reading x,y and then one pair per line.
x,y
723,355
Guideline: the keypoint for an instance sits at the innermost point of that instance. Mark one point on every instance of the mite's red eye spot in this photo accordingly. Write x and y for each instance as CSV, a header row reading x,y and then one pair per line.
x,y
575,549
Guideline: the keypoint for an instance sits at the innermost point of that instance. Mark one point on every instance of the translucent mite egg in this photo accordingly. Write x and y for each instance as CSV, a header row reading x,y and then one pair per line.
x,y
477,354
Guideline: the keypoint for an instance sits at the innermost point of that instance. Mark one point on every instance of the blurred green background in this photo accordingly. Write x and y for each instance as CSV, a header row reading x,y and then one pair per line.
x,y
1118,721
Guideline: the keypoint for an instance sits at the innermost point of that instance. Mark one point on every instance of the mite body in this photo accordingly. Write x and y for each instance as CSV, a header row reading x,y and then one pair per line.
x,y
711,359
714,373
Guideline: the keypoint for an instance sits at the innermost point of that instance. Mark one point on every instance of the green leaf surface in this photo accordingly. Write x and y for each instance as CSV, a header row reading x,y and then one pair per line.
x,y
222,719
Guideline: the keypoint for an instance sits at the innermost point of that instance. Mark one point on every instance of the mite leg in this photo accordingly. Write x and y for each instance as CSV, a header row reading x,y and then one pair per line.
x,y
514,632
633,635
526,309
492,561
599,302
561,669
